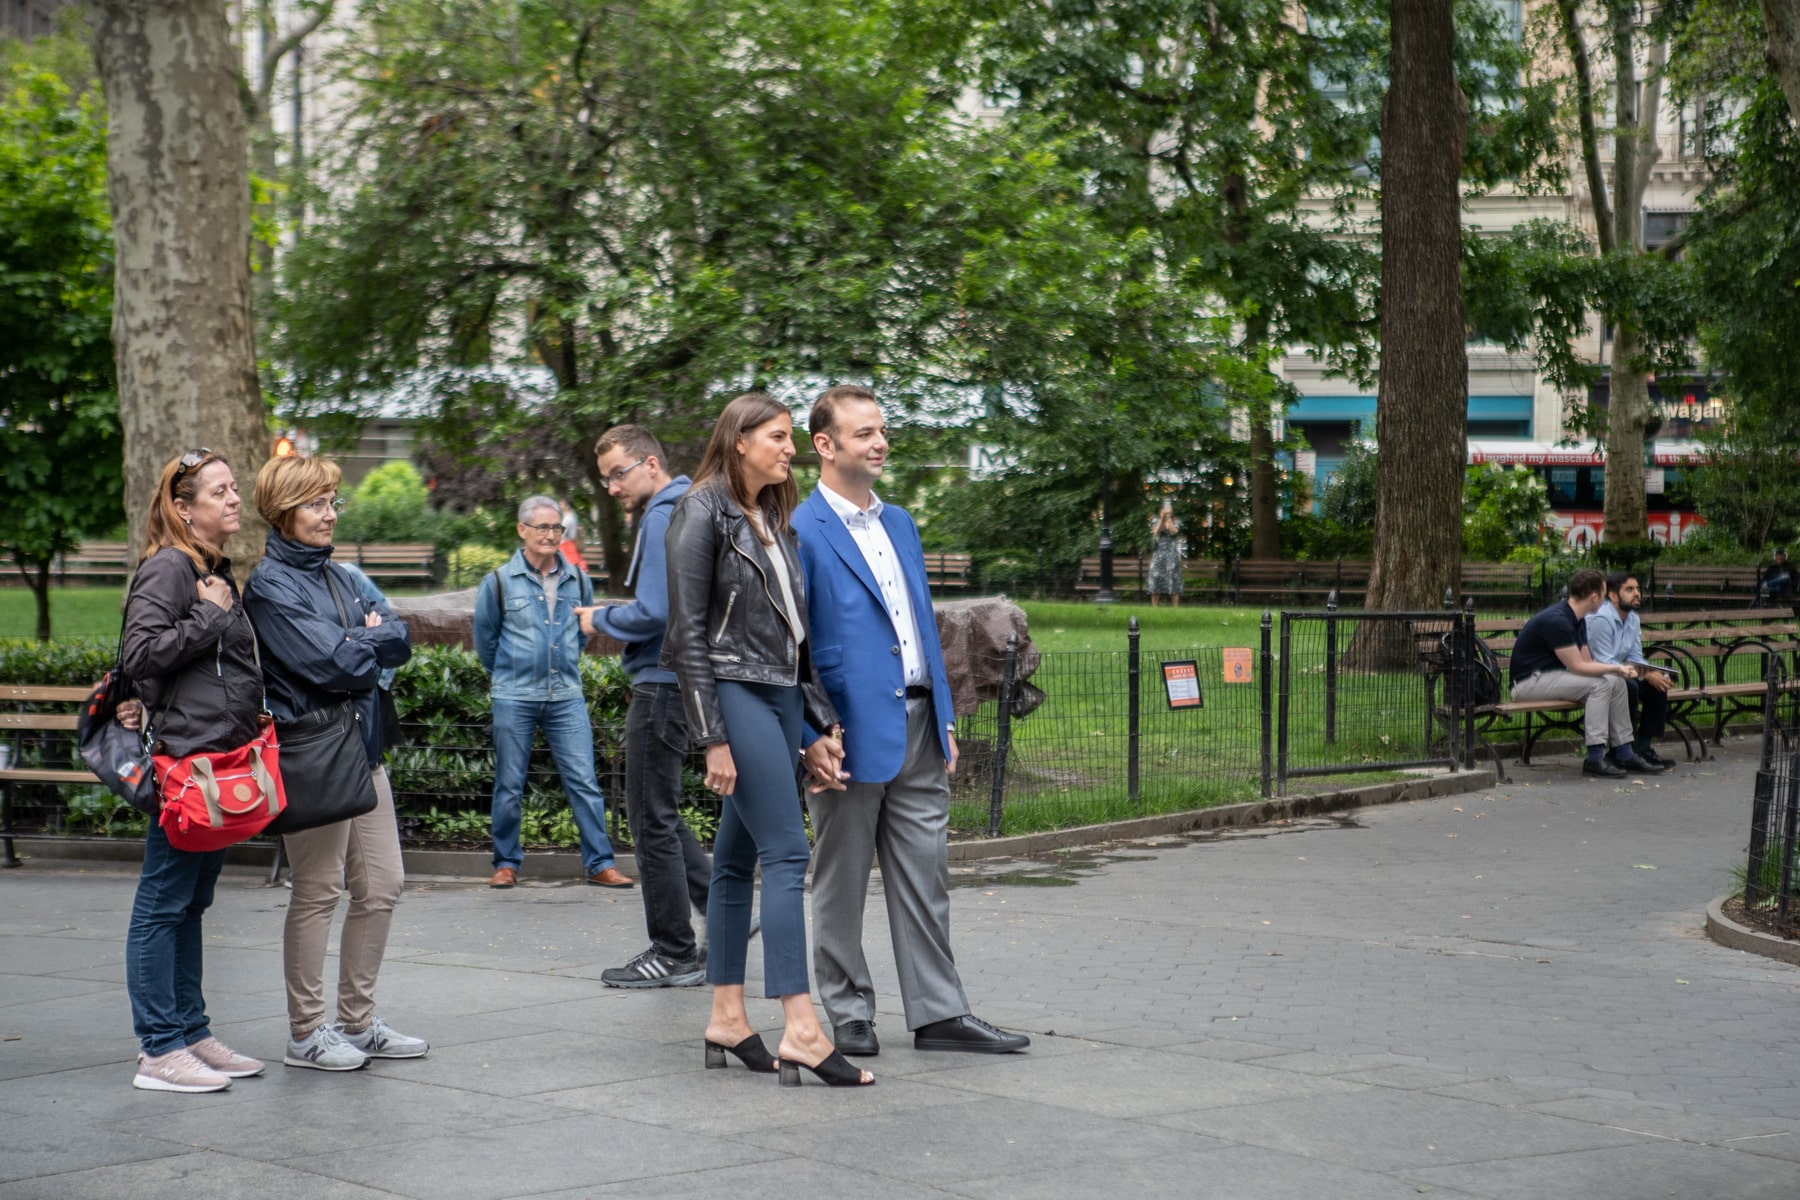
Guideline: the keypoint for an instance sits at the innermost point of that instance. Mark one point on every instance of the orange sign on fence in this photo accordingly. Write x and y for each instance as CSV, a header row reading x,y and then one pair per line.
x,y
1240,665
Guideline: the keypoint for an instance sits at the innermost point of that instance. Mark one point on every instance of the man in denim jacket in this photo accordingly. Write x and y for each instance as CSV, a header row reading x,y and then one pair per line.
x,y
528,637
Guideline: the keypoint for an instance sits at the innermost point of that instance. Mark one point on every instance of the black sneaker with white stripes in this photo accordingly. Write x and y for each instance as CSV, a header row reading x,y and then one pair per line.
x,y
650,970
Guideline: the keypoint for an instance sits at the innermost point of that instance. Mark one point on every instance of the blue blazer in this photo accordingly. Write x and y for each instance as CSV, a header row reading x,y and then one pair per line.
x,y
853,642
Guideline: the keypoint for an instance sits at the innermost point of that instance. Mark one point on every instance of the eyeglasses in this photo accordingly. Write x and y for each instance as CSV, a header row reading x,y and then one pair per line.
x,y
544,530
619,475
319,506
189,461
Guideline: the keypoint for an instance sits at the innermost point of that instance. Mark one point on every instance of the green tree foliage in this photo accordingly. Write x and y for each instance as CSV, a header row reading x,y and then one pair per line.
x,y
1504,513
676,200
391,504
59,418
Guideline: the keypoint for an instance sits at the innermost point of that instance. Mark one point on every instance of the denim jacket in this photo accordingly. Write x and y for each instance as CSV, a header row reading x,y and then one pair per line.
x,y
531,652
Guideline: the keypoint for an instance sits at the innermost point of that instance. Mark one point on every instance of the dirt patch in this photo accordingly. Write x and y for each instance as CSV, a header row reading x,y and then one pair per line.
x,y
1763,920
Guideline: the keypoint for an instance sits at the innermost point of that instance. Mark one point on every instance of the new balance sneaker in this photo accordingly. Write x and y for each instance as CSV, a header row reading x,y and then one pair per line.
x,y
177,1071
224,1059
652,969
380,1041
325,1049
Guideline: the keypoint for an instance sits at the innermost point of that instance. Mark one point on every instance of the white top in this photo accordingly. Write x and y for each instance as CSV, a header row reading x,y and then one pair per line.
x,y
782,579
871,537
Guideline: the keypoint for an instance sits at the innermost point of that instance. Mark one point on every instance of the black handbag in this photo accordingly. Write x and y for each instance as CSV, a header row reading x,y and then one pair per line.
x,y
119,756
324,769
324,766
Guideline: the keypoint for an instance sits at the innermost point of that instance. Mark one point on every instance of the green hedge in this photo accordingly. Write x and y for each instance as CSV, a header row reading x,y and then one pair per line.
x,y
443,773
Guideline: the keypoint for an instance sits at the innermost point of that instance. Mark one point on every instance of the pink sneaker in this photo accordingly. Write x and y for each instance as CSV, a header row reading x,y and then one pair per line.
x,y
177,1071
224,1059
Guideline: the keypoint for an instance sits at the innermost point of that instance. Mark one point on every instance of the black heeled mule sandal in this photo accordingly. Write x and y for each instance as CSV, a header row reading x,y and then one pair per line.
x,y
835,1071
751,1052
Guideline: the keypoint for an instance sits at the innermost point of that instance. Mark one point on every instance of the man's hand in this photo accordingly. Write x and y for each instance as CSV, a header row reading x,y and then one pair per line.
x,y
950,763
130,714
585,615
721,769
1656,679
825,763
215,590
371,619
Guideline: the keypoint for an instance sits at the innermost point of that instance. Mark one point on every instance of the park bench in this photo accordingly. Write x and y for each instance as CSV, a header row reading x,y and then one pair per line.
x,y
27,717
949,570
93,562
409,564
1500,585
1684,641
1278,584
1205,579
1697,587
1130,572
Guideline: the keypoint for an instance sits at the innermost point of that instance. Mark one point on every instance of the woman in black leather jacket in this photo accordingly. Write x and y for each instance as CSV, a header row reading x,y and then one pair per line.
x,y
736,641
189,648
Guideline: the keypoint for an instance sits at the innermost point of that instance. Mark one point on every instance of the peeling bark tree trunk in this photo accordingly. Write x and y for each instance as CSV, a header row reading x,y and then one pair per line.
x,y
1421,413
176,177
1634,153
1783,20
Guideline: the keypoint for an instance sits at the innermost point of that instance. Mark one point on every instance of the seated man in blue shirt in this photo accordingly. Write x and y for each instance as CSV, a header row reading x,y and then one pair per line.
x,y
1614,637
1550,661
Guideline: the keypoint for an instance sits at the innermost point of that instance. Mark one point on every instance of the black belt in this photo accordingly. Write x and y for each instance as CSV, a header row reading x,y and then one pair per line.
x,y
918,691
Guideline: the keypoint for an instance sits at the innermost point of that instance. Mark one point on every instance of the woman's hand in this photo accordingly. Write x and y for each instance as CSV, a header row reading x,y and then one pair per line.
x,y
130,714
721,769
825,763
215,590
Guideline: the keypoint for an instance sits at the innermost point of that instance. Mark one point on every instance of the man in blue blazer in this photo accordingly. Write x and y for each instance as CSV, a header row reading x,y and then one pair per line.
x,y
875,643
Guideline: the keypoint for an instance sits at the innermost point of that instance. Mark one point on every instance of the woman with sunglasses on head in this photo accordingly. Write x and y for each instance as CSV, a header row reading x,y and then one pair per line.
x,y
737,643
324,645
190,650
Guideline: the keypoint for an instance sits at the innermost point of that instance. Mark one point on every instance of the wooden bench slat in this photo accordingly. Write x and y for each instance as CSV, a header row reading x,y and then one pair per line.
x,y
45,775
45,694
37,721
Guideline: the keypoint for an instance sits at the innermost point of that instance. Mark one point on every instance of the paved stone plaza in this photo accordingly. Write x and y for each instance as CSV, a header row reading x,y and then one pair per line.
x,y
1502,994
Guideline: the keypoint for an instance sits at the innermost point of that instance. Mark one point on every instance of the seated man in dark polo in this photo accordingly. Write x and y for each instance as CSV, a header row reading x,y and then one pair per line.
x,y
1614,636
1550,661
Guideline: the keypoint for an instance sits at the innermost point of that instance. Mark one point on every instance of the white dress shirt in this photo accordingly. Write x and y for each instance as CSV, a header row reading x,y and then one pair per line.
x,y
871,537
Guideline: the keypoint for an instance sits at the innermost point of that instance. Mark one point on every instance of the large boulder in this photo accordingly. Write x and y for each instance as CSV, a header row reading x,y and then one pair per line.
x,y
973,632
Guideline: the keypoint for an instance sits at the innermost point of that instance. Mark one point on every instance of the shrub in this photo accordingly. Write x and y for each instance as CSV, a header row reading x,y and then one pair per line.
x,y
470,563
1504,508
390,505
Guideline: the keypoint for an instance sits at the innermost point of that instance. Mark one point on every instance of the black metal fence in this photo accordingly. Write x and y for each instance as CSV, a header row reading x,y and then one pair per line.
x,y
1769,882
1089,737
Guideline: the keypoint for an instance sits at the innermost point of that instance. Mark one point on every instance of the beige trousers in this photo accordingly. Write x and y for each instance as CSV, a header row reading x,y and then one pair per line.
x,y
1607,712
361,856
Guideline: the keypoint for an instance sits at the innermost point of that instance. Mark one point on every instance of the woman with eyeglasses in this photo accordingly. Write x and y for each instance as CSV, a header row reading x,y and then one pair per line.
x,y
324,645
737,642
190,650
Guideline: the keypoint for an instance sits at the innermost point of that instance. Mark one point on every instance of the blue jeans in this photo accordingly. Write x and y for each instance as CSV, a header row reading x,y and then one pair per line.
x,y
760,823
163,945
571,738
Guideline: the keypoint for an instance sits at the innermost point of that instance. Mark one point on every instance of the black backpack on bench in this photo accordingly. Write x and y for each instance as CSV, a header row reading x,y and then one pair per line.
x,y
1471,672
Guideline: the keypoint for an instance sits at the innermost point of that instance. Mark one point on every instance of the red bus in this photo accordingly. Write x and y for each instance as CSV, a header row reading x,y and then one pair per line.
x,y
1575,475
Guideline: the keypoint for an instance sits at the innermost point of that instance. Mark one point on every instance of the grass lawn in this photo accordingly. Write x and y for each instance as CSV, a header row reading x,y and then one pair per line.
x,y
77,612
1081,626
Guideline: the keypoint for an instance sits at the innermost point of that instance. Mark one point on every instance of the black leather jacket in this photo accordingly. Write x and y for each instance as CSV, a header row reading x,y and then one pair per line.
x,y
193,662
724,620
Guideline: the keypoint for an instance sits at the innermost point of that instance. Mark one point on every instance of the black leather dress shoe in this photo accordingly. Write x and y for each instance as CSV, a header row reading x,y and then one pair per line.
x,y
969,1034
857,1038
1603,767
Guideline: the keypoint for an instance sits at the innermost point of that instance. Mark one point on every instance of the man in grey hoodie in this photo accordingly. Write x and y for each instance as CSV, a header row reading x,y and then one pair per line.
x,y
674,873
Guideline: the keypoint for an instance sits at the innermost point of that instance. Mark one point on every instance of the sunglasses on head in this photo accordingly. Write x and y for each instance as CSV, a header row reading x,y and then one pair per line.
x,y
189,461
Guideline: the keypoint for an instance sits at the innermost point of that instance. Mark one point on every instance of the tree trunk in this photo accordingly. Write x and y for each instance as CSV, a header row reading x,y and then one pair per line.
x,y
38,579
1634,153
1627,409
1421,414
176,177
1265,522
1783,20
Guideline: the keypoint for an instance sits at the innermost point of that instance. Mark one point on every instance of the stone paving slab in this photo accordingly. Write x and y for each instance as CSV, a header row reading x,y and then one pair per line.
x,y
1499,994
